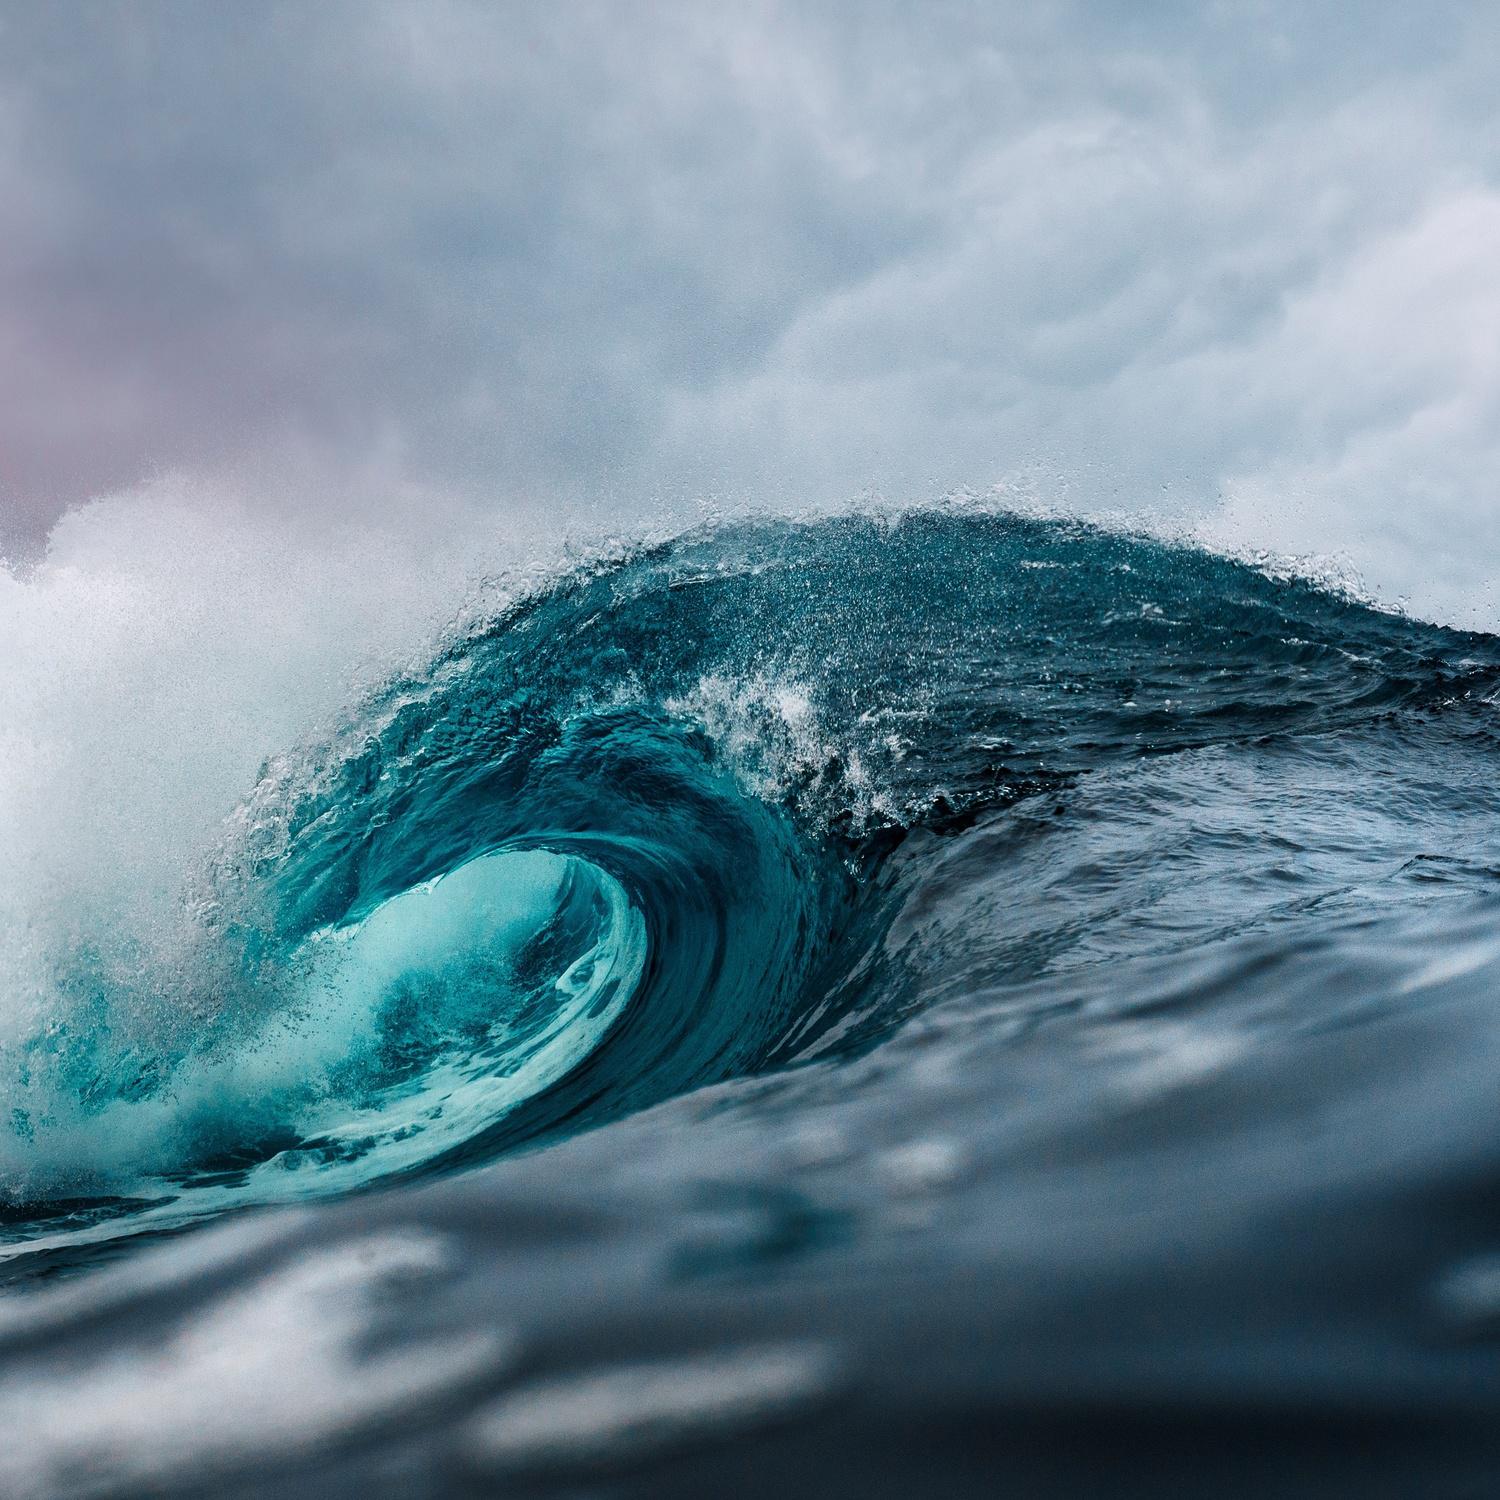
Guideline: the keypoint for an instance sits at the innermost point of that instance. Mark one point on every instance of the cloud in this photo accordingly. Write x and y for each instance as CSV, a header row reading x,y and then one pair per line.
x,y
1391,389
1221,258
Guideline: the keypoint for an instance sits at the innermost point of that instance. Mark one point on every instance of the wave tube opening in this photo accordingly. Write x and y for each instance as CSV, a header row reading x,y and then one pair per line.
x,y
395,1035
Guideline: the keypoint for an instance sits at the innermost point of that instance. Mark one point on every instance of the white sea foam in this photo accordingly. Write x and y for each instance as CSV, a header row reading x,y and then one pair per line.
x,y
168,643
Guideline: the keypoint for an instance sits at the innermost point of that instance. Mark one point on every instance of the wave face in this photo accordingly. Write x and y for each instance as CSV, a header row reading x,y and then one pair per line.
x,y
682,816
924,1005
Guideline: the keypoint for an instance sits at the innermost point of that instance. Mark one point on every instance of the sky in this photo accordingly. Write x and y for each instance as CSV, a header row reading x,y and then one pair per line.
x,y
380,265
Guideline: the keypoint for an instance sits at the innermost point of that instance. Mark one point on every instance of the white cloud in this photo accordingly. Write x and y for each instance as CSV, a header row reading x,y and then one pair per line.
x,y
1390,383
601,254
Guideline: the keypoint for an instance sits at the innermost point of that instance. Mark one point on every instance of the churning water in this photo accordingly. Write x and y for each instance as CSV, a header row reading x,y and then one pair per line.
x,y
943,1003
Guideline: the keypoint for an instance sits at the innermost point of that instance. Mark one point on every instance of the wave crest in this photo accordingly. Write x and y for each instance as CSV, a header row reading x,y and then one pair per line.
x,y
646,829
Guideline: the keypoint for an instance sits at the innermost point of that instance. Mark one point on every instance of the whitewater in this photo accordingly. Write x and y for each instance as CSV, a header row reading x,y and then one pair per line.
x,y
854,1003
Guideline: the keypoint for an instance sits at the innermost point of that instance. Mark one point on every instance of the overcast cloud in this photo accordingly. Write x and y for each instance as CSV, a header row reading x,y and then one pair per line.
x,y
1235,261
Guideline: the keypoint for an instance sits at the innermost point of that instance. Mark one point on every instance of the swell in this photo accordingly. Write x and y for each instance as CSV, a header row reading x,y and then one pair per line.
x,y
716,782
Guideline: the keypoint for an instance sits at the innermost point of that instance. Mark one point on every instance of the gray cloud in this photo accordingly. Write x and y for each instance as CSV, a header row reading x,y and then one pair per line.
x,y
527,255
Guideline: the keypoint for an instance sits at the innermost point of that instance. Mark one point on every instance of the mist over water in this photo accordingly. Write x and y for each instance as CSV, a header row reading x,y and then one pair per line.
x,y
832,978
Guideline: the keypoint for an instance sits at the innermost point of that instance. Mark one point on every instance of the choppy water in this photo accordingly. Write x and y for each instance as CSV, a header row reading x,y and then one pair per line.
x,y
955,1003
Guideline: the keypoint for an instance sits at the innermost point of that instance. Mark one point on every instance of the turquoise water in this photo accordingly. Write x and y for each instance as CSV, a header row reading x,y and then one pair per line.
x,y
650,827
952,894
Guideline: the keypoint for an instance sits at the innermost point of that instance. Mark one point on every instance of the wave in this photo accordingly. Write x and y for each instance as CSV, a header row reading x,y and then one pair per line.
x,y
686,814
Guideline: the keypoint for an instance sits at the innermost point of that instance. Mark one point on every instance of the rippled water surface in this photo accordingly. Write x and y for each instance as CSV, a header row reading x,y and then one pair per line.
x,y
955,1003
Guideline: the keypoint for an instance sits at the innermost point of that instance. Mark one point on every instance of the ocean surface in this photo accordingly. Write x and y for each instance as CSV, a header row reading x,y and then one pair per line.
x,y
948,1003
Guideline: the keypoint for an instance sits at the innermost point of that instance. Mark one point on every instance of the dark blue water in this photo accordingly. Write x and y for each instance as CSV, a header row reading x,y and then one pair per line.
x,y
949,1004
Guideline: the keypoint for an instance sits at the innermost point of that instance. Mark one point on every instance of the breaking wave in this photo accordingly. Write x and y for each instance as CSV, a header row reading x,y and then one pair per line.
x,y
677,816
